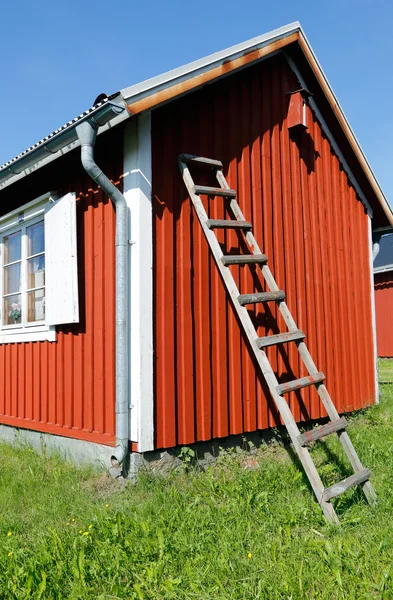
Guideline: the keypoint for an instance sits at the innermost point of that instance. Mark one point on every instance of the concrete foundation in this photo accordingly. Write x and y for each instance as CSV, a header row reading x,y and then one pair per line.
x,y
77,451
81,452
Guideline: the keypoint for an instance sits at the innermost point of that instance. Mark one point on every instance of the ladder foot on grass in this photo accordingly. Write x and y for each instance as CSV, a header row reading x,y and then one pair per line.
x,y
240,302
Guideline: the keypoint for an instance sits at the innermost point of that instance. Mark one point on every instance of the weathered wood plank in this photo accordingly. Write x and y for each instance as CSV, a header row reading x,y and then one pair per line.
x,y
201,161
227,224
298,384
261,297
214,191
244,259
319,432
281,338
346,484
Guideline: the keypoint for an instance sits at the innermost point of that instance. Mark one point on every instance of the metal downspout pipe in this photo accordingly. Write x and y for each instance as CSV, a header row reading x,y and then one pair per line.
x,y
87,134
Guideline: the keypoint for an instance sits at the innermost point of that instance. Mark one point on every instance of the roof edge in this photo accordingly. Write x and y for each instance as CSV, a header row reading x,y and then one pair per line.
x,y
383,269
157,90
345,125
162,88
208,62
104,114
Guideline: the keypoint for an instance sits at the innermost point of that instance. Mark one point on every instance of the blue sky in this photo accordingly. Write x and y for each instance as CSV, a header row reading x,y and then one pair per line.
x,y
57,57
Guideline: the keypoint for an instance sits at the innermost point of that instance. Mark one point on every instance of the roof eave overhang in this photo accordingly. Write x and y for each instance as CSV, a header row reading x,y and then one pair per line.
x,y
383,269
160,90
164,88
345,126
104,116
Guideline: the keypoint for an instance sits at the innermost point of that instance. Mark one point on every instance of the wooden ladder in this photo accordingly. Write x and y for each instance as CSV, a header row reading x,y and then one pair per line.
x,y
258,344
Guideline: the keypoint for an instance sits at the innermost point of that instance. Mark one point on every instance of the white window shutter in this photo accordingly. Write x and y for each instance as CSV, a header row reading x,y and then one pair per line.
x,y
61,277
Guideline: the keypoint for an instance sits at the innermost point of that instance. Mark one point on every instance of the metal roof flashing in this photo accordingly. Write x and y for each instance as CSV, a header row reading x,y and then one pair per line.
x,y
104,115
385,269
190,70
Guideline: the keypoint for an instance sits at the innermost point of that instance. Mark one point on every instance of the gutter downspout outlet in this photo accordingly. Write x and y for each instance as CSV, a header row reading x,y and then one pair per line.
x,y
87,134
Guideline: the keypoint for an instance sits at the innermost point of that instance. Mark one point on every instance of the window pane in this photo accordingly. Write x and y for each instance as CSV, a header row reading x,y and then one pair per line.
x,y
12,247
35,237
36,272
36,306
12,279
12,310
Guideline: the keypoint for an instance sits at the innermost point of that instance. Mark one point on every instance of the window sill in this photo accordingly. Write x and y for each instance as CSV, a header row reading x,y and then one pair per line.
x,y
16,337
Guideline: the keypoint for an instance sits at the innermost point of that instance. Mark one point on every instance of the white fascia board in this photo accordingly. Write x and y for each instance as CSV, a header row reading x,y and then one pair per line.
x,y
384,269
155,84
373,311
137,191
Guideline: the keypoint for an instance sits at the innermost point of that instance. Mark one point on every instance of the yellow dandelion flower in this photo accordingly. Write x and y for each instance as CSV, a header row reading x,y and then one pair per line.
x,y
73,520
9,553
9,533
68,523
106,505
80,531
85,533
249,555
90,526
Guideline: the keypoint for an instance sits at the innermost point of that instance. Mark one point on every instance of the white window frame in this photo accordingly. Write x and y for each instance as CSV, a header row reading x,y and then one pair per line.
x,y
22,217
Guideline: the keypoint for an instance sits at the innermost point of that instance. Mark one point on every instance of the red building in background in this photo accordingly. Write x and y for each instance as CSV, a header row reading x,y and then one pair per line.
x,y
383,286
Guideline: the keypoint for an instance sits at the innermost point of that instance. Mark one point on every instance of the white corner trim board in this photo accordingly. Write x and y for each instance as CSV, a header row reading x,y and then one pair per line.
x,y
373,312
137,192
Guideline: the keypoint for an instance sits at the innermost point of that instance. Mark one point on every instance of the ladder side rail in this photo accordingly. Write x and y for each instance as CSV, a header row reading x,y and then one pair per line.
x,y
260,356
304,353
343,436
266,272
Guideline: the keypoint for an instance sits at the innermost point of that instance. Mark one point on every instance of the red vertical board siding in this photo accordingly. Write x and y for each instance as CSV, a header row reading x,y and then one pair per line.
x,y
67,387
383,288
309,222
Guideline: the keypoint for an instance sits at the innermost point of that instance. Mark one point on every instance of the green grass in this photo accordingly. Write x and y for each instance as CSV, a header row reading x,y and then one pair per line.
x,y
248,528
385,370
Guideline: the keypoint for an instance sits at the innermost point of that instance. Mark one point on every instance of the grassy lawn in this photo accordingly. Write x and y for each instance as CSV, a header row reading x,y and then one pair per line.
x,y
247,528
386,370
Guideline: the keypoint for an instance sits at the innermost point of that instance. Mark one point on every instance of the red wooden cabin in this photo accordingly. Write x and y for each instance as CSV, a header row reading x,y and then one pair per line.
x,y
264,108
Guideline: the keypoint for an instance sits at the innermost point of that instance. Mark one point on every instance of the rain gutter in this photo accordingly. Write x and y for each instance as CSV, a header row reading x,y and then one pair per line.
x,y
105,115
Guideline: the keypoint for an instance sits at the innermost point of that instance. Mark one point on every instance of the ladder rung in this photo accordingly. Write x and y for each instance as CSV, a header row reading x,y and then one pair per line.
x,y
346,484
214,191
297,384
200,161
235,221
227,224
262,297
281,338
319,432
241,259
